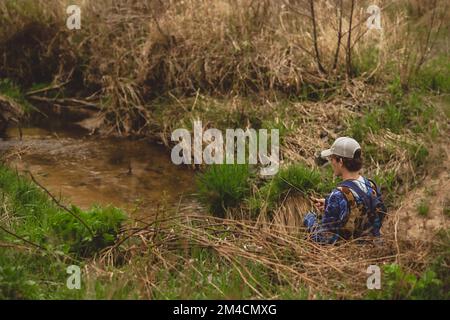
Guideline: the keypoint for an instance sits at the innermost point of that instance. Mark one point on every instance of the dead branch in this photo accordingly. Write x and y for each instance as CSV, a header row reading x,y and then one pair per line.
x,y
59,204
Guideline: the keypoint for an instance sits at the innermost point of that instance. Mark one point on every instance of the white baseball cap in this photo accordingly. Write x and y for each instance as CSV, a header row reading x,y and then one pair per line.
x,y
343,147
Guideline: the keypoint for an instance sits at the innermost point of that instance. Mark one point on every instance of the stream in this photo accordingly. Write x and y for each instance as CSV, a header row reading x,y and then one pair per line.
x,y
134,175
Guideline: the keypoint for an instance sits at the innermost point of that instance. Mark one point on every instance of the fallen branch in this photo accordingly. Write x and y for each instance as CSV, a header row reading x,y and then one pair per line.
x,y
65,102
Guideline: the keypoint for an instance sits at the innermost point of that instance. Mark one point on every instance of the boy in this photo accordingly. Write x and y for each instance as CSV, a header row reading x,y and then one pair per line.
x,y
354,208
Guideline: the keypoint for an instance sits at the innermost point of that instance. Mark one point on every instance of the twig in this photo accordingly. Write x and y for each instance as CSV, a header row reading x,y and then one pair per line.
x,y
23,239
59,204
49,88
316,45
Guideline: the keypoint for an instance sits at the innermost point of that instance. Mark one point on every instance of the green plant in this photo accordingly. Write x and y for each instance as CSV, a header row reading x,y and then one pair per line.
x,y
224,186
42,238
398,284
11,90
293,178
387,181
418,154
446,208
76,238
434,76
423,208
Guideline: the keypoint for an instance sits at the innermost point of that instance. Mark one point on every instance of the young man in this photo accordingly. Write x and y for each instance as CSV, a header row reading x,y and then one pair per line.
x,y
354,208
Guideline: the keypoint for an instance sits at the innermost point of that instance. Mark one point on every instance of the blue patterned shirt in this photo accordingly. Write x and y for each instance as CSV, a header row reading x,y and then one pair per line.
x,y
335,215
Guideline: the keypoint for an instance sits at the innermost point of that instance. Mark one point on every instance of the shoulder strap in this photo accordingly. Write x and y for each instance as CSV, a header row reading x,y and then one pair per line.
x,y
374,186
347,194
368,201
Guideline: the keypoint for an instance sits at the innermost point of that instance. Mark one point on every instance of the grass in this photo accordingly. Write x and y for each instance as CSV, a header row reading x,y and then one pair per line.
x,y
398,114
42,239
419,154
430,284
172,75
434,76
398,284
11,90
446,208
224,186
204,275
423,208
174,55
294,178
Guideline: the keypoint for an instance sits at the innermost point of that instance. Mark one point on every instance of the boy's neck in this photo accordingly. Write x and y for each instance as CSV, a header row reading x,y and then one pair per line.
x,y
350,175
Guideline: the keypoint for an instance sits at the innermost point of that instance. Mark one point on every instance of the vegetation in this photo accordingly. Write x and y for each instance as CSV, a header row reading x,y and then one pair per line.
x,y
309,69
224,186
432,284
41,239
14,92
423,208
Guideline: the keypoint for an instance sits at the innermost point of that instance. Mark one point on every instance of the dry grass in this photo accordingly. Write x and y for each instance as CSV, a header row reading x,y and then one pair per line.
x,y
281,248
130,52
126,53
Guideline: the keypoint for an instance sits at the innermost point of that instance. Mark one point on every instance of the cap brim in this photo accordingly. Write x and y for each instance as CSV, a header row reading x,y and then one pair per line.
x,y
326,153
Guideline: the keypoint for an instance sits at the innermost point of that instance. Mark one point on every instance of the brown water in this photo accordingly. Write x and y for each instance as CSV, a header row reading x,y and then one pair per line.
x,y
85,170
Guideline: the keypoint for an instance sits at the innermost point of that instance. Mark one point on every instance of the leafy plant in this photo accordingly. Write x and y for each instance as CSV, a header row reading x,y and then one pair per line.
x,y
103,222
399,284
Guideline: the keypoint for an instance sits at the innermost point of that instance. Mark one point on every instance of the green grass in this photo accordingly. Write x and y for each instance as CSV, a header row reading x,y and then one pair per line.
x,y
446,208
366,62
397,284
205,275
399,114
295,178
104,222
419,154
434,76
423,208
30,219
300,177
13,91
432,284
224,186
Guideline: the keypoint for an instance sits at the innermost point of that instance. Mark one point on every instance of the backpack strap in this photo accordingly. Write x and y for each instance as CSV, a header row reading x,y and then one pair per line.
x,y
348,228
348,194
368,201
375,187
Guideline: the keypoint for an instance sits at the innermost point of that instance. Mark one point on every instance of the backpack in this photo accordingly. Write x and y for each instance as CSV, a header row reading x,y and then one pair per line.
x,y
366,217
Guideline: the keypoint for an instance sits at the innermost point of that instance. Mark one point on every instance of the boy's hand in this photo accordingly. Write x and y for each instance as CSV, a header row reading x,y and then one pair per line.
x,y
319,203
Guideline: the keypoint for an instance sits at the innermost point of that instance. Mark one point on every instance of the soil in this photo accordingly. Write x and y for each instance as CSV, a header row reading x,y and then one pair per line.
x,y
434,192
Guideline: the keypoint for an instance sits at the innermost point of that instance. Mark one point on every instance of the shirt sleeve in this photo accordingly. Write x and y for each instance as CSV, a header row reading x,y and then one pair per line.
x,y
327,230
